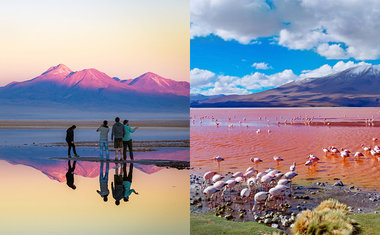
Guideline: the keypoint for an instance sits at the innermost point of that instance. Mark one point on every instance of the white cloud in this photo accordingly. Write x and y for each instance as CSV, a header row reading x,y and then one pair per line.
x,y
323,26
333,51
222,84
200,77
261,65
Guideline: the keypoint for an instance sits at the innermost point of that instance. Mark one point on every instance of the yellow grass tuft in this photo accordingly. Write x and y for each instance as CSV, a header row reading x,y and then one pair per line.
x,y
330,217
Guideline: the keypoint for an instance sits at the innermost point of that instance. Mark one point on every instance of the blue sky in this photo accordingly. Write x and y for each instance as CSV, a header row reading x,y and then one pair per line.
x,y
250,49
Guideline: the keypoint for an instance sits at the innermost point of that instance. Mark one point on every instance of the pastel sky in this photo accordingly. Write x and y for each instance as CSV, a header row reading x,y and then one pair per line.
x,y
247,46
121,38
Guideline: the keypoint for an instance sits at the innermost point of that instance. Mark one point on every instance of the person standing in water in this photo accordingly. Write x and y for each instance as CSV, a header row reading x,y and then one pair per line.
x,y
70,175
70,140
127,140
117,135
103,181
127,182
103,139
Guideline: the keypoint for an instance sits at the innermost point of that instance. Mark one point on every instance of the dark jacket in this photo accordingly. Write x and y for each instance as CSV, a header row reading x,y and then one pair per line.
x,y
70,134
118,130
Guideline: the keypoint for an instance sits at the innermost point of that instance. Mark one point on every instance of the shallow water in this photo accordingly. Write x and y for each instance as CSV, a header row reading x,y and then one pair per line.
x,y
293,142
29,136
36,199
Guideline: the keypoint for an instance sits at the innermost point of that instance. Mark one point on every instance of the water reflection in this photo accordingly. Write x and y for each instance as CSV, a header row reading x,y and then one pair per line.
x,y
127,181
103,181
70,174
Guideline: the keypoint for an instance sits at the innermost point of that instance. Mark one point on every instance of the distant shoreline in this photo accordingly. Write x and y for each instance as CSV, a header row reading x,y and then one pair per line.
x,y
63,124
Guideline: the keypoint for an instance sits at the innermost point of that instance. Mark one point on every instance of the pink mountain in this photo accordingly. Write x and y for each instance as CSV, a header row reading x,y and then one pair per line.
x,y
151,82
92,79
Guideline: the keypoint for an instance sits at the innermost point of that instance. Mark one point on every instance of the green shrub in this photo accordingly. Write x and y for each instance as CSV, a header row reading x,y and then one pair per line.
x,y
330,217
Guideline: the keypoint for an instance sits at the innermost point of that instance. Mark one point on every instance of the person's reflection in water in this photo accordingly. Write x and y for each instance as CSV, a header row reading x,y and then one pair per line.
x,y
118,188
103,181
127,181
70,174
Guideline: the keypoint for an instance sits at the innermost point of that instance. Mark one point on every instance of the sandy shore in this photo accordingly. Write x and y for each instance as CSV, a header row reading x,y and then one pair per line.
x,y
64,124
302,198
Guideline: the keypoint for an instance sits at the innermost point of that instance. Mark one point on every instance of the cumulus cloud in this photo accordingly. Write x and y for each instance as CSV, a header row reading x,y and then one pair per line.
x,y
228,85
200,77
222,84
337,29
261,65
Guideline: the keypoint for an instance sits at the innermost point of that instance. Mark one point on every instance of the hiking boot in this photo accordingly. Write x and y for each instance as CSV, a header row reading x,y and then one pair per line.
x,y
76,155
69,156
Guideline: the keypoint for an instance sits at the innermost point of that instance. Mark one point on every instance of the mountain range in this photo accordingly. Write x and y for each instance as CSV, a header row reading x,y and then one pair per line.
x,y
61,88
354,87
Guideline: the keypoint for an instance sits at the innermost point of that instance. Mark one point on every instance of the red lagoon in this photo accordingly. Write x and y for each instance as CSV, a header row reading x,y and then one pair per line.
x,y
293,134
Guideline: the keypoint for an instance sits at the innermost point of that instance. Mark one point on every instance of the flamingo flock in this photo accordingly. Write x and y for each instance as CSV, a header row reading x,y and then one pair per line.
x,y
266,189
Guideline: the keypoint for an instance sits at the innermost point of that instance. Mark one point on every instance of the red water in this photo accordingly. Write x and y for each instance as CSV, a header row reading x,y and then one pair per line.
x,y
310,130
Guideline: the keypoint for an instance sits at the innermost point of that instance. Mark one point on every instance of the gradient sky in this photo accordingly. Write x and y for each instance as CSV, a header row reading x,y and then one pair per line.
x,y
247,46
121,38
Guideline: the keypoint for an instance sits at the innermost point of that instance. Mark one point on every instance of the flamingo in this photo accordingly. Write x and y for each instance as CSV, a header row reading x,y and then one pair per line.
x,y
208,176
309,163
237,174
277,192
217,158
290,175
326,150
239,179
230,185
266,179
293,167
256,160
344,155
216,178
278,176
251,182
358,155
374,153
244,194
334,150
260,200
313,158
278,159
250,169
249,174
210,191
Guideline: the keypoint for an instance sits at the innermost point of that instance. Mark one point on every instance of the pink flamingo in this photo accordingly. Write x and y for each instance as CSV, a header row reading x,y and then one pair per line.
x,y
207,177
210,192
260,201
290,175
344,155
216,178
256,160
217,158
237,174
293,167
358,155
278,159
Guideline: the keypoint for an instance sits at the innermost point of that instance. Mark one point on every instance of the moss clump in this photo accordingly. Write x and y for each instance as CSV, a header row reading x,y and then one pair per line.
x,y
330,217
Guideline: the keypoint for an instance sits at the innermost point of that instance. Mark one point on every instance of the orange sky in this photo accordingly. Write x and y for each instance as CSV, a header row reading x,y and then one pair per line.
x,y
121,38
